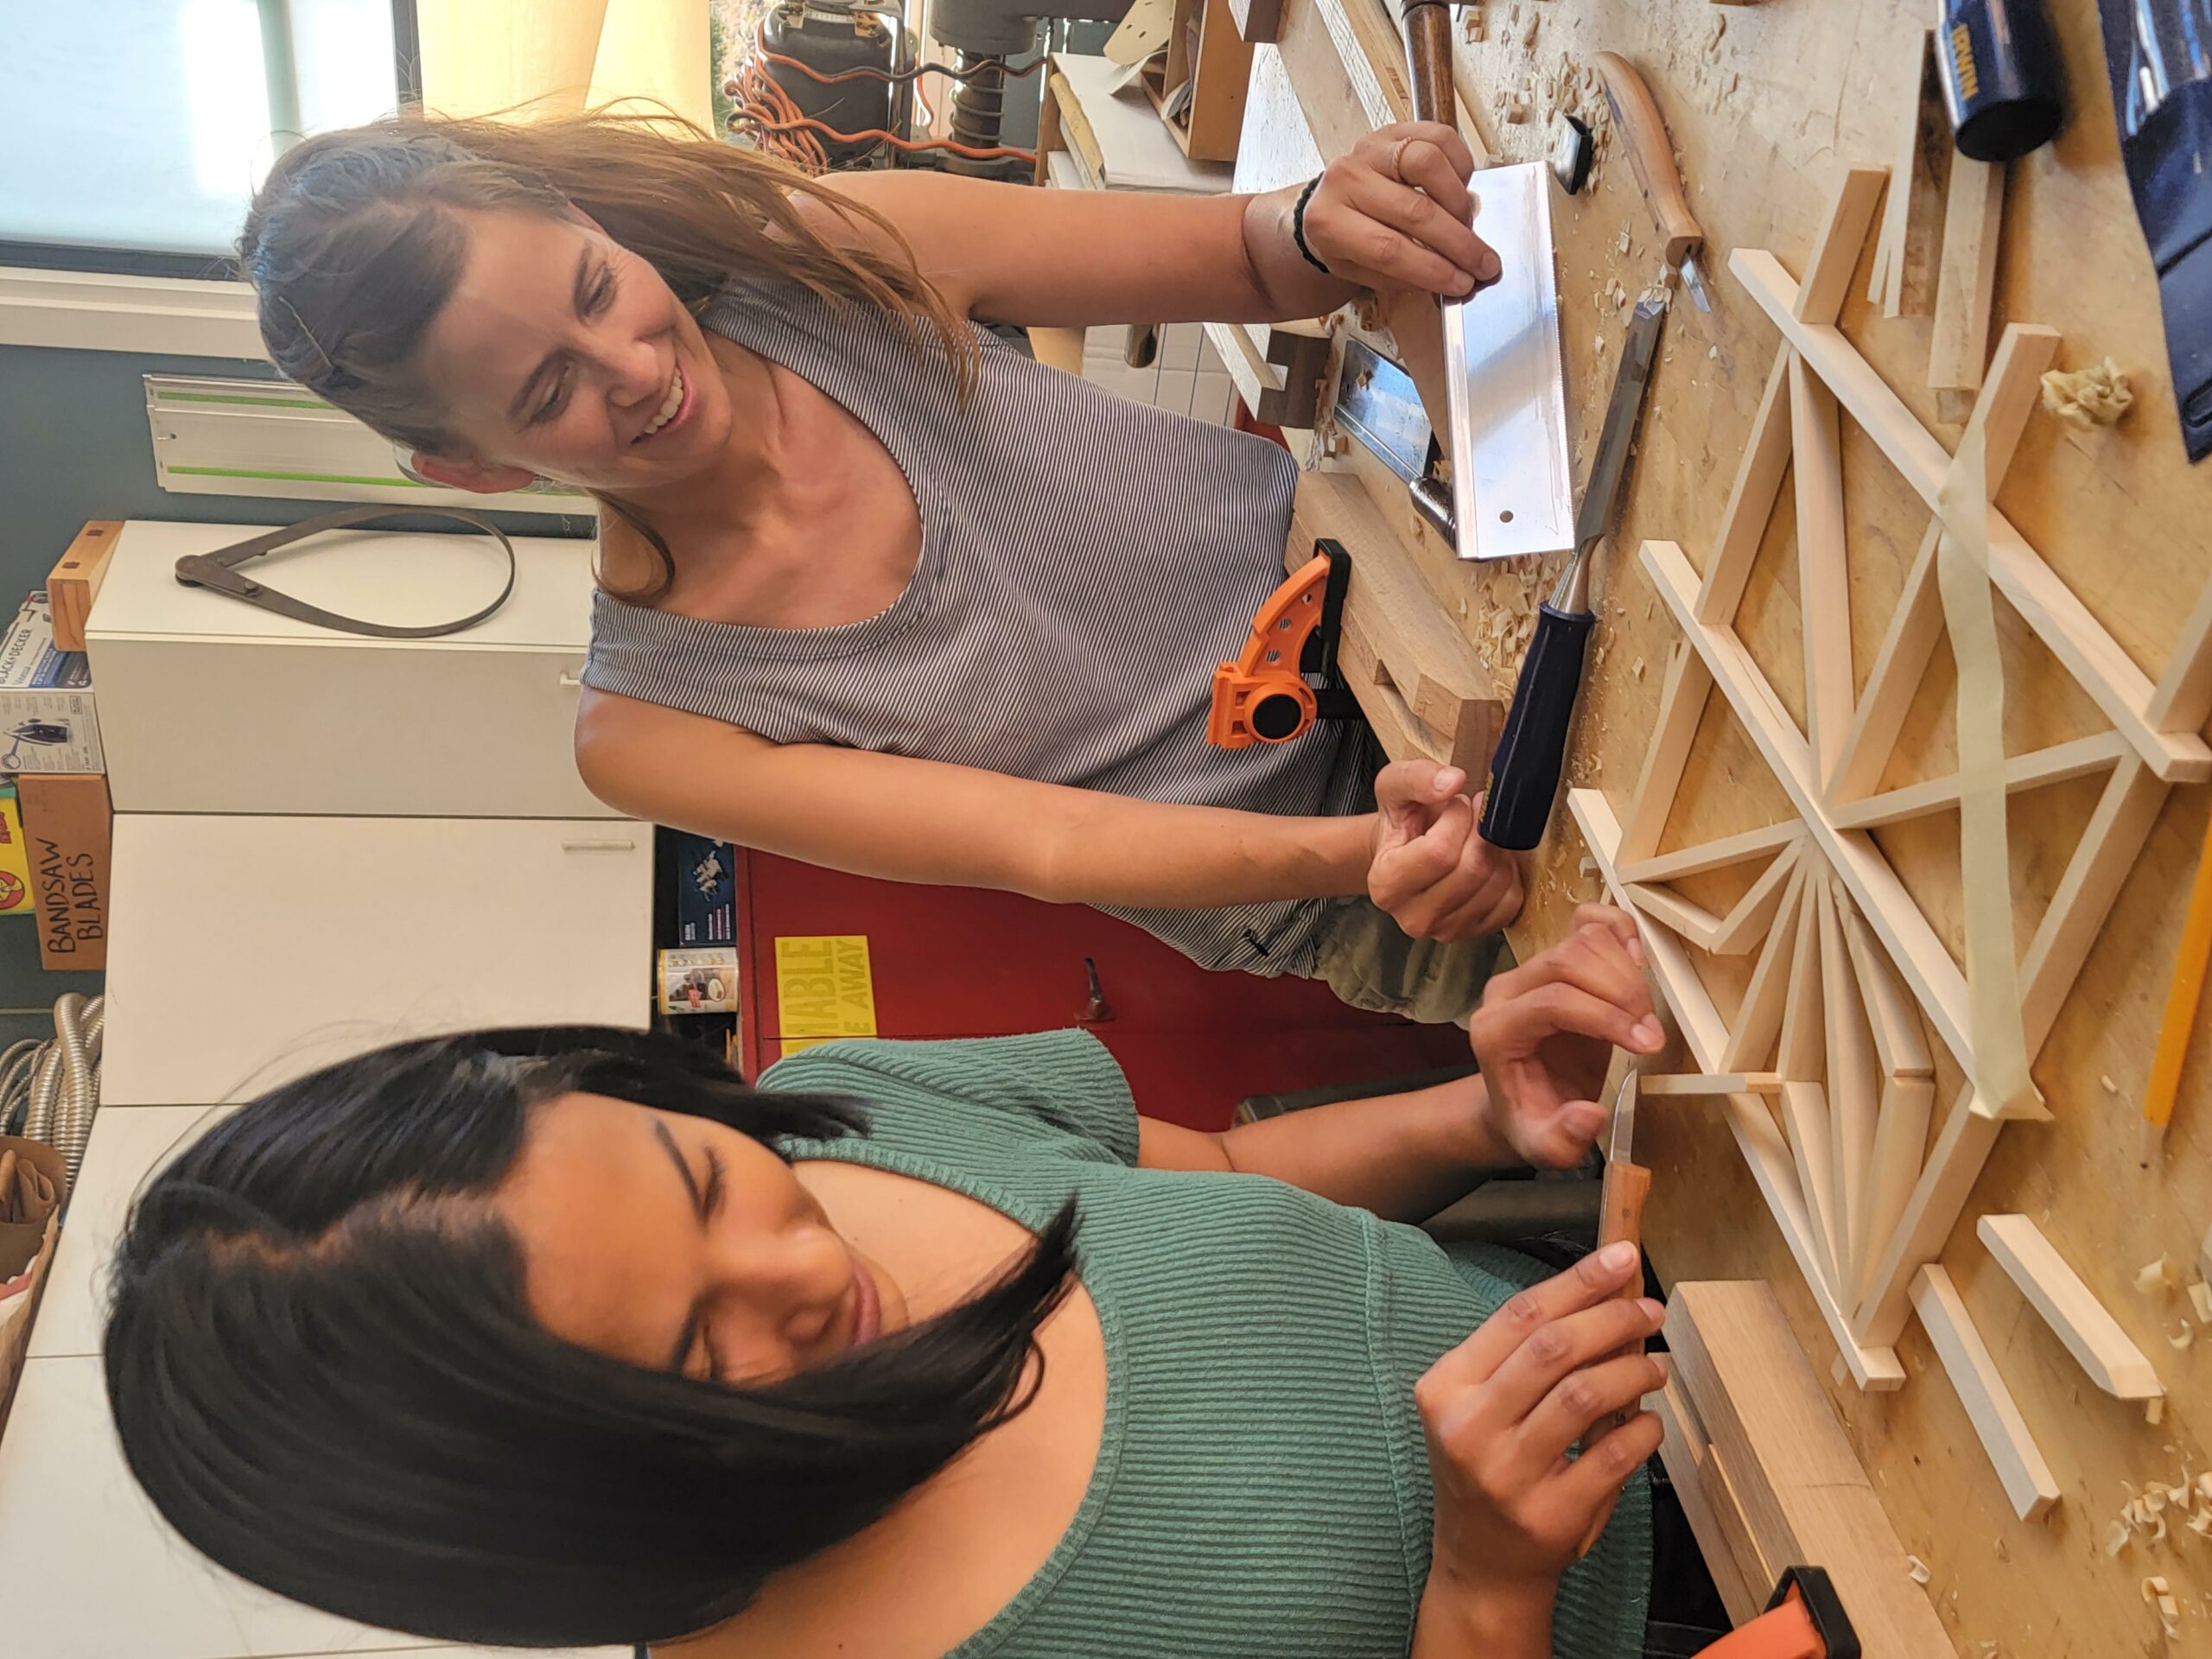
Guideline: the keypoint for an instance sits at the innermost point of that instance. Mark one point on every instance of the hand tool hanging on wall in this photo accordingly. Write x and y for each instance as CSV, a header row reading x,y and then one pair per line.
x,y
1524,773
1651,153
2002,86
2159,56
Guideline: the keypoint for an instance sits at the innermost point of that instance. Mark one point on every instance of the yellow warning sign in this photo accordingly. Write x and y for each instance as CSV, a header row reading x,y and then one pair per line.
x,y
824,989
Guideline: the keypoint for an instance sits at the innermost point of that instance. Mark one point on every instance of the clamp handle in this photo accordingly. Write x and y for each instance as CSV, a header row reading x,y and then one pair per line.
x,y
1263,696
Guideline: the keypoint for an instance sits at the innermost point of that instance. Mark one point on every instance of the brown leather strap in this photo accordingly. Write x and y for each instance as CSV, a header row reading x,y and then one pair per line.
x,y
219,572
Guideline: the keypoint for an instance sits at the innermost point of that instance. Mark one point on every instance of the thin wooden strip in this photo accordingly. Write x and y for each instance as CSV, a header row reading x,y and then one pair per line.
x,y
1753,1040
1907,645
1751,499
1835,249
2027,1479
1823,579
1681,706
1881,898
2058,618
2000,1048
1712,855
2106,852
1900,258
1899,1039
1874,1367
1854,1087
1900,1137
1684,1454
1953,1165
1700,927
1709,1082
2113,1361
2036,770
1805,1121
1753,916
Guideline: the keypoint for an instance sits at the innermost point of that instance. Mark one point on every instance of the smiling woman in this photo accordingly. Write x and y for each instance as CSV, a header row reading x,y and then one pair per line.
x,y
880,592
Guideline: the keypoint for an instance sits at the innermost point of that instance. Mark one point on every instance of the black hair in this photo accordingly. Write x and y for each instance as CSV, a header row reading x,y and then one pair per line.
x,y
325,1374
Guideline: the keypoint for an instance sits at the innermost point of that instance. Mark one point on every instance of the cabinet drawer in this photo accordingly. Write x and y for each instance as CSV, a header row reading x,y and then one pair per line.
x,y
294,727
248,950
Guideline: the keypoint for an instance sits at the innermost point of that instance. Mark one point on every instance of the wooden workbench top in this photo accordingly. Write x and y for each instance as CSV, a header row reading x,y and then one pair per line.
x,y
1768,105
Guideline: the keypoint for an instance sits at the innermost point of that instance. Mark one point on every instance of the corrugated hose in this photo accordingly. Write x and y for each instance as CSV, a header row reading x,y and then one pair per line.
x,y
49,1090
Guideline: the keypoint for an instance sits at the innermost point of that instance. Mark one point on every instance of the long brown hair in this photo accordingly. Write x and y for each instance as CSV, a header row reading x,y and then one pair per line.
x,y
354,242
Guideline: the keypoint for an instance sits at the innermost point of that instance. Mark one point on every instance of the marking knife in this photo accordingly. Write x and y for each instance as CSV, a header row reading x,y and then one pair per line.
x,y
1651,153
1524,770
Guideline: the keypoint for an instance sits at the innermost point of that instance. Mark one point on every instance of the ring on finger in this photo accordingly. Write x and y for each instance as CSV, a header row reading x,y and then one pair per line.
x,y
1397,161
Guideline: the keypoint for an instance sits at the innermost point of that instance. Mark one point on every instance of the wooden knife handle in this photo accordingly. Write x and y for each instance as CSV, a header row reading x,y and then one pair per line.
x,y
1428,60
1651,153
1620,1216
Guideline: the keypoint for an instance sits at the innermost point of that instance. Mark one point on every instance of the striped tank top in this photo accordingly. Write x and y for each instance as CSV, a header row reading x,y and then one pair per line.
x,y
1085,563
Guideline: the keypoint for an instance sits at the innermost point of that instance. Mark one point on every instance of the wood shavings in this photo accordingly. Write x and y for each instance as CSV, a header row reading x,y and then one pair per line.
x,y
2185,1335
2199,1299
2154,1410
1917,1569
2117,1538
1529,29
2153,1277
1624,244
2158,1594
1517,108
1637,668
1713,39
2096,396
2107,1085
1470,24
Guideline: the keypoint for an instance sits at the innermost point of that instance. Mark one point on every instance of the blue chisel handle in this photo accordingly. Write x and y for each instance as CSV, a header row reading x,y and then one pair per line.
x,y
1524,773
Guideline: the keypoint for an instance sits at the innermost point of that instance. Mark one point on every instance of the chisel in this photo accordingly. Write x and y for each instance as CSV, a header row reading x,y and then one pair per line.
x,y
1524,770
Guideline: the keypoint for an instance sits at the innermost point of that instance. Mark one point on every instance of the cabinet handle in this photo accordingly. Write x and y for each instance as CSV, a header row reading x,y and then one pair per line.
x,y
571,679
603,844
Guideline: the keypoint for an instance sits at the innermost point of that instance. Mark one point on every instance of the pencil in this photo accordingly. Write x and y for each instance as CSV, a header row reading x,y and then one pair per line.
x,y
2182,998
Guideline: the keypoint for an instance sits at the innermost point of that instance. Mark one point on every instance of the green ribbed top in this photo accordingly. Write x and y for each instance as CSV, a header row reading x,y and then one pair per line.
x,y
1261,1490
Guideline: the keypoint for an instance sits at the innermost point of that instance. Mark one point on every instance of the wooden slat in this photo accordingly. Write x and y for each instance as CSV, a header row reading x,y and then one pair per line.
x,y
1823,578
1953,1165
2091,1334
1907,645
1754,1038
1900,1138
74,581
1900,1042
1699,925
1835,249
2027,1479
2056,765
1854,1088
1753,916
1709,1082
1751,499
1681,706
1711,854
1966,283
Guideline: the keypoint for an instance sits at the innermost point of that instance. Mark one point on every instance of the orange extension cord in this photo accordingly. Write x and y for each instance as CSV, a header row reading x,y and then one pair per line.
x,y
766,112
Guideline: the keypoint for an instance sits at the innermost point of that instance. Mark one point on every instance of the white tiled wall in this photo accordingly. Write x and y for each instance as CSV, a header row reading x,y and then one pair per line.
x,y
1185,376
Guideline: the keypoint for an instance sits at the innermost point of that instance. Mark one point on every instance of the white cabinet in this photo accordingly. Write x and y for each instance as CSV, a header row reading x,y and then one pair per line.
x,y
210,705
248,950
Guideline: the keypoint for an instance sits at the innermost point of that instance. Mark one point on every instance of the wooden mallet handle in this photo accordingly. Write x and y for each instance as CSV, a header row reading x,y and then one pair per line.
x,y
1429,59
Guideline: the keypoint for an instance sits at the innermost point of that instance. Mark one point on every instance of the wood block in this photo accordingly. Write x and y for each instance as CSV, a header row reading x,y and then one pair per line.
x,y
1835,252
1682,1448
74,581
1966,284
1424,690
2069,1307
2027,1479
68,821
1801,1491
1257,21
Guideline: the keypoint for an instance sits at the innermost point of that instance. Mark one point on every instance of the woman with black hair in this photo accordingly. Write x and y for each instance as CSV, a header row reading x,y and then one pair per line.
x,y
565,1337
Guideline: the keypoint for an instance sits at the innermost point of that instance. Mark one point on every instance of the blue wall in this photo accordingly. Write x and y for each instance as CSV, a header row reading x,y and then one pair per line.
x,y
74,446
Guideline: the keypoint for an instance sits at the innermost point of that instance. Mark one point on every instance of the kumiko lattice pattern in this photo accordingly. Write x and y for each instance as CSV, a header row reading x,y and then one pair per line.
x,y
1851,980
